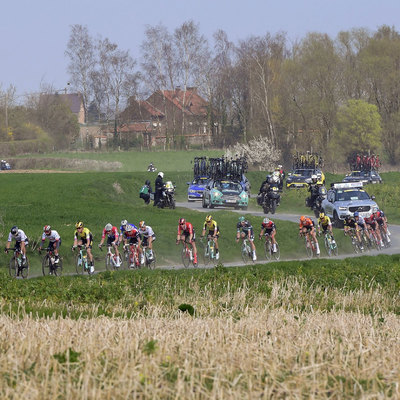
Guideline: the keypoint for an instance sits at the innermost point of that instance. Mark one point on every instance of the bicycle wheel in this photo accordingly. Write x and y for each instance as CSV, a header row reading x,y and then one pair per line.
x,y
46,265
267,250
151,262
185,257
245,254
58,267
327,244
108,262
335,250
13,267
24,269
206,254
79,265
277,253
309,249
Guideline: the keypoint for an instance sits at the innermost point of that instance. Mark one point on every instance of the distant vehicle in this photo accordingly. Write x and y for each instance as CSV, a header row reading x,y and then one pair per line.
x,y
226,193
301,177
363,176
4,165
344,199
196,188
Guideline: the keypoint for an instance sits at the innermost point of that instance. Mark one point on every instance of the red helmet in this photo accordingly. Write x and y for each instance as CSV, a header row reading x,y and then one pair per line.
x,y
182,221
47,229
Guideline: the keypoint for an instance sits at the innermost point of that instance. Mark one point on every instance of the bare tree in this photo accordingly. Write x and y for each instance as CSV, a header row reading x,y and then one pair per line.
x,y
81,52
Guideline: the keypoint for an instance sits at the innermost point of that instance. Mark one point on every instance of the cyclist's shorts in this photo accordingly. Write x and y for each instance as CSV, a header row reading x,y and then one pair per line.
x,y
245,235
324,228
110,240
18,244
380,221
187,234
57,242
133,240
211,233
145,241
308,227
86,242
268,232
373,225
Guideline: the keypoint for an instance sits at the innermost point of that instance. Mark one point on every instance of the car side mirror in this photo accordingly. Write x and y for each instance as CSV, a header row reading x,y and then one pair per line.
x,y
187,183
373,197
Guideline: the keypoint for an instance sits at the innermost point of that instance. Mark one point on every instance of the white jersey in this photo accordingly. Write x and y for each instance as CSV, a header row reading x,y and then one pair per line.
x,y
19,237
53,237
146,232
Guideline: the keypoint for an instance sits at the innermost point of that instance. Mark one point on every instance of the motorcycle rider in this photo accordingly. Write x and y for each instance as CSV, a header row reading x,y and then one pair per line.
x,y
313,188
159,184
265,185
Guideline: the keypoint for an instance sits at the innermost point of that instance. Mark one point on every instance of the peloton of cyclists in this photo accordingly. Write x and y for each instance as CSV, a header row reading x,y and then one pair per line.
x,y
112,240
54,241
83,237
187,234
361,223
268,228
21,241
372,226
213,231
307,226
244,230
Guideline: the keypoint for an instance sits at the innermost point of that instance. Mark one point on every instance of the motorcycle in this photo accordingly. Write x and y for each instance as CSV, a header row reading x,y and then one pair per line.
x,y
316,206
168,196
271,200
151,168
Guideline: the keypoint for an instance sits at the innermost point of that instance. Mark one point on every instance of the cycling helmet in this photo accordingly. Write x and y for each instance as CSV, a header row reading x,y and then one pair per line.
x,y
322,215
47,229
108,227
356,214
128,228
79,225
182,221
147,182
124,222
142,224
302,218
266,220
209,218
242,219
14,230
161,174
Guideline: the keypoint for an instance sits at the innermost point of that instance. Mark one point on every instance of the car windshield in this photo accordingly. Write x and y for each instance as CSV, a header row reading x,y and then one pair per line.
x,y
351,194
231,186
304,172
356,173
200,181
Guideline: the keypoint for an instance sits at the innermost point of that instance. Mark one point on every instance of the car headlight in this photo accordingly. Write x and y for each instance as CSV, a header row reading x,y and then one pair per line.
x,y
217,195
243,196
342,208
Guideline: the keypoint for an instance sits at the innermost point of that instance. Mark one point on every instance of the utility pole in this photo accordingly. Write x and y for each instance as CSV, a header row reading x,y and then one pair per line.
x,y
6,107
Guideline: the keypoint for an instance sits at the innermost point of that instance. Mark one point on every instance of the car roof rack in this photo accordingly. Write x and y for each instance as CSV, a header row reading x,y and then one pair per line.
x,y
347,185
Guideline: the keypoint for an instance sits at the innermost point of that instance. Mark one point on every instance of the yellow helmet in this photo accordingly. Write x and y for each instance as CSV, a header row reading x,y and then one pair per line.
x,y
209,218
79,225
321,215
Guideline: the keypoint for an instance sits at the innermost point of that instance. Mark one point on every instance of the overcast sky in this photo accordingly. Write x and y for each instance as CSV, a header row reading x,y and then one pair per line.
x,y
34,33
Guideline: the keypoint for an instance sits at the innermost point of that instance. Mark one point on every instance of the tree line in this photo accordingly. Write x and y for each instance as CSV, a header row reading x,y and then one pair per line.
x,y
336,95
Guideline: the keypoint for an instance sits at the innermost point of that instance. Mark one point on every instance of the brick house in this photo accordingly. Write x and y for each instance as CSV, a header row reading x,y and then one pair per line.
x,y
168,116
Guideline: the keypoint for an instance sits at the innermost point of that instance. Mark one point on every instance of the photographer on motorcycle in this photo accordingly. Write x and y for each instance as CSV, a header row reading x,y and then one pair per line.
x,y
263,190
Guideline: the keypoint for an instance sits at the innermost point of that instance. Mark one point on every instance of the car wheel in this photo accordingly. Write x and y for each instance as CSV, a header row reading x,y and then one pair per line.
x,y
337,221
204,202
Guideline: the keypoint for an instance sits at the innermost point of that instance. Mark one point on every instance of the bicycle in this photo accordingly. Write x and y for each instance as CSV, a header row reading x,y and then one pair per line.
x,y
49,266
131,255
81,261
311,248
111,260
354,241
330,244
209,251
384,237
149,258
16,266
269,249
187,254
246,252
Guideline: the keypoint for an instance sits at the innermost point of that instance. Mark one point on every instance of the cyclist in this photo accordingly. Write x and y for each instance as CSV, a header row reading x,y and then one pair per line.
x,y
268,228
372,226
307,226
382,222
21,241
131,236
54,241
83,236
350,223
187,234
148,236
124,223
361,223
244,230
325,223
213,231
112,240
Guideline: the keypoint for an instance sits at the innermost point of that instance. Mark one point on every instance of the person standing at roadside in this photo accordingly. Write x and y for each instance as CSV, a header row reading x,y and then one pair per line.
x,y
159,184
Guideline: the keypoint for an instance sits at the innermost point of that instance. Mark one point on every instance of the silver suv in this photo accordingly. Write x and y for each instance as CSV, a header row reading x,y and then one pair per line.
x,y
344,199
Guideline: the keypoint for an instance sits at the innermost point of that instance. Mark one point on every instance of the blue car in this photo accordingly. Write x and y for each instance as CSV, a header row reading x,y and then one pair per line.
x,y
196,188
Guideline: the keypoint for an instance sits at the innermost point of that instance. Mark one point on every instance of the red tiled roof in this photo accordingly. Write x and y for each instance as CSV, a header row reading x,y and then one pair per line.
x,y
190,101
151,109
136,127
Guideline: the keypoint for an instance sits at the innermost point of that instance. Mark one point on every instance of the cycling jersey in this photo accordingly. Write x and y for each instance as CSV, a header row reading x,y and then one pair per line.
x,y
133,236
19,237
186,230
308,223
246,229
212,227
148,231
122,229
85,234
268,227
53,237
351,222
361,221
112,234
324,222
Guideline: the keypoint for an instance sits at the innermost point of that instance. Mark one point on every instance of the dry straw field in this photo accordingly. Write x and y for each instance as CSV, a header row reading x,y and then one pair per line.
x,y
229,349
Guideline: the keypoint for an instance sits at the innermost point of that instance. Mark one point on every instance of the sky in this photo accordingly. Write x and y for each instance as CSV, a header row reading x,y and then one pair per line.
x,y
34,33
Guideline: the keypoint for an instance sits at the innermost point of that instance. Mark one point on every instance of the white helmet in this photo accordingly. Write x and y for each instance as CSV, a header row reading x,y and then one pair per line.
x,y
266,220
108,227
314,177
124,222
161,174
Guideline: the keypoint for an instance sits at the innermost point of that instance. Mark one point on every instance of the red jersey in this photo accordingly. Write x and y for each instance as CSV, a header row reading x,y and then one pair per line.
x,y
112,233
270,226
188,229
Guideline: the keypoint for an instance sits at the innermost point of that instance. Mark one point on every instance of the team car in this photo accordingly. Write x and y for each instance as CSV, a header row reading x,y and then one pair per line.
x,y
196,188
344,199
227,193
363,176
301,177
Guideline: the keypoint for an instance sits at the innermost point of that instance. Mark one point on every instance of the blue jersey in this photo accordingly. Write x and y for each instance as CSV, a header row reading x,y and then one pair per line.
x,y
122,229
